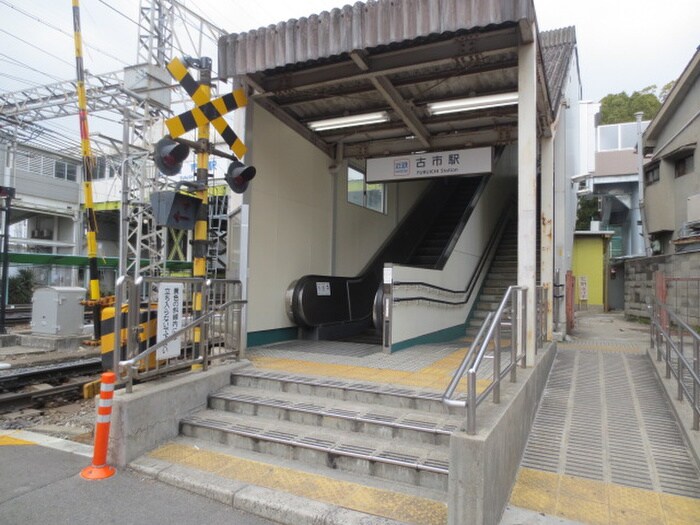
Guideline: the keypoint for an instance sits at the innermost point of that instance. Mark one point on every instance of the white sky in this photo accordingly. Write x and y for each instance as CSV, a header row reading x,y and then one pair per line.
x,y
623,45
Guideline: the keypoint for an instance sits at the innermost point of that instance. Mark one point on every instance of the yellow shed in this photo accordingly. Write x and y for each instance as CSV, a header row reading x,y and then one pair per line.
x,y
589,266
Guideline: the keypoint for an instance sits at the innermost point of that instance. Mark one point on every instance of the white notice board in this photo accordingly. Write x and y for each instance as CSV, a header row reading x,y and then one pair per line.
x,y
583,288
169,318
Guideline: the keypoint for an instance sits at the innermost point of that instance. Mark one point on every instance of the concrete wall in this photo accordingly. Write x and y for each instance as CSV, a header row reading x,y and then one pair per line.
x,y
683,297
290,216
413,320
483,466
151,414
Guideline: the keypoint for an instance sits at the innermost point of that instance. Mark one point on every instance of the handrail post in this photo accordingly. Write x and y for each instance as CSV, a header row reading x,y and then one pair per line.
x,y
696,390
680,364
471,406
668,356
205,329
523,324
497,363
387,303
118,301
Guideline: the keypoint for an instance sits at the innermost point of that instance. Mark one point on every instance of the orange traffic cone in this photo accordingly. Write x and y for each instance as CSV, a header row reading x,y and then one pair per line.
x,y
99,468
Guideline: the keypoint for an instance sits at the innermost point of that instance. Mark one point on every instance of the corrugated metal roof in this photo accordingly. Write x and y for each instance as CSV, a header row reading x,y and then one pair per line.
x,y
360,26
558,46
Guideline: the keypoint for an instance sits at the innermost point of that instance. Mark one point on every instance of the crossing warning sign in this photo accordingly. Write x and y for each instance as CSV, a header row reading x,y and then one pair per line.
x,y
207,110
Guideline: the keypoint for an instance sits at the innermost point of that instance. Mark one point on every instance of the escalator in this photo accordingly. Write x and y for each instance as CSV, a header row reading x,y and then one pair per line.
x,y
329,307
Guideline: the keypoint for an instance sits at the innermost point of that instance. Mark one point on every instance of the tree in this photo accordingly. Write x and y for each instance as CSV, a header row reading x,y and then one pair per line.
x,y
621,107
586,212
21,287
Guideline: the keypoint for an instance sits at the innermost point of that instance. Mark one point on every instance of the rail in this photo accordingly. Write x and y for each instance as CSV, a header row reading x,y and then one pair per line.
x,y
513,303
165,333
678,345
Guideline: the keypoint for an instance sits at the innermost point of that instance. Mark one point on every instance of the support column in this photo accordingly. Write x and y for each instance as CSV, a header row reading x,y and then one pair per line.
x,y
547,230
527,187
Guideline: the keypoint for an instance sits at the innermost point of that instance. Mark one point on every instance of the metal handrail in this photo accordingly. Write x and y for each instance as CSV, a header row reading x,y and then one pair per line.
x,y
196,347
486,255
662,319
516,296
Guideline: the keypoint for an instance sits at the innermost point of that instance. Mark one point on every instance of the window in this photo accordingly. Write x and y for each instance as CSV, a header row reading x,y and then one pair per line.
x,y
64,170
684,165
651,175
369,196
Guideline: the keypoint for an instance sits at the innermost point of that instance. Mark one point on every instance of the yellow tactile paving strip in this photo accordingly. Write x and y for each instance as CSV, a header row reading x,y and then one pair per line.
x,y
600,503
393,505
8,440
435,376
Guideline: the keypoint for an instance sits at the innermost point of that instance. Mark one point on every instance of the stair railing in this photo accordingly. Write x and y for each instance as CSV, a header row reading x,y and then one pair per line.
x,y
513,302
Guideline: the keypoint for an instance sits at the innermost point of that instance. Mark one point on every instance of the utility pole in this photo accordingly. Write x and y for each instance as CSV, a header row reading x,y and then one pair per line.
x,y
7,194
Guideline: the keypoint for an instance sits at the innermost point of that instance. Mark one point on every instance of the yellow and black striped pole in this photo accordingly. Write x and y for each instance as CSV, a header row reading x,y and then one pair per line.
x,y
88,166
201,228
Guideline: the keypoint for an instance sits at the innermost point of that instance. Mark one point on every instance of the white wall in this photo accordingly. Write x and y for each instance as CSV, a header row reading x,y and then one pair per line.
x,y
414,319
568,160
290,216
360,232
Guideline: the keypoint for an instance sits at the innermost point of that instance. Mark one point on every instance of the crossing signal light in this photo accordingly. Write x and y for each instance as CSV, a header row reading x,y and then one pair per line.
x,y
169,155
239,175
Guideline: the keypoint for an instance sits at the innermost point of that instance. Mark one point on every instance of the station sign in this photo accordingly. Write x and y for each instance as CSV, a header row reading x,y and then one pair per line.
x,y
453,163
170,296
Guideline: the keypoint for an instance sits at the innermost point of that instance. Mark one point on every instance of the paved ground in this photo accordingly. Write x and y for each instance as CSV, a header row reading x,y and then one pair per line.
x,y
40,483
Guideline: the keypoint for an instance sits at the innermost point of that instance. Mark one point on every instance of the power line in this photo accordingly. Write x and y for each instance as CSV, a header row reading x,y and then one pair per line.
x,y
19,79
16,62
37,48
56,28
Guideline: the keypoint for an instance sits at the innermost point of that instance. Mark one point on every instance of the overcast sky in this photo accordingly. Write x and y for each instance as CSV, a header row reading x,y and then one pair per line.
x,y
623,45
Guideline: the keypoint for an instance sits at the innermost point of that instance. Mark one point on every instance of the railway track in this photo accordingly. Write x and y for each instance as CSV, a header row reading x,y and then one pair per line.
x,y
35,386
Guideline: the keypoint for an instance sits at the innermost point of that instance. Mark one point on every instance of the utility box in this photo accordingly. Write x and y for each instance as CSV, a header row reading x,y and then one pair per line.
x,y
57,310
175,210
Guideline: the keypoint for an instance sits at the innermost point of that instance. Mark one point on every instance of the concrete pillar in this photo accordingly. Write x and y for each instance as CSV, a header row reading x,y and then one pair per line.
x,y
547,230
527,186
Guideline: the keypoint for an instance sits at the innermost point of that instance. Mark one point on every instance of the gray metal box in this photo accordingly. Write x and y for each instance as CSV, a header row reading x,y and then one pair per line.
x,y
56,310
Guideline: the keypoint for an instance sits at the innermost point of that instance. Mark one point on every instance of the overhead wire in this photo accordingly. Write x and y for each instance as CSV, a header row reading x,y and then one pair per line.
x,y
16,62
62,31
36,47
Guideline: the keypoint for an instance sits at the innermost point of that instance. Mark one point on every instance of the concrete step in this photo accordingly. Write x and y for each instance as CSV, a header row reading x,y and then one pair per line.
x,y
417,464
385,422
354,391
287,491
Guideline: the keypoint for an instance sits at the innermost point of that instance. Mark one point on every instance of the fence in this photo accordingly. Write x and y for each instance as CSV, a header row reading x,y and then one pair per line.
x,y
678,345
167,324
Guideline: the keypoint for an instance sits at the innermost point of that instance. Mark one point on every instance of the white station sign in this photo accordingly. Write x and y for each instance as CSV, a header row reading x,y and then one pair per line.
x,y
426,165
169,318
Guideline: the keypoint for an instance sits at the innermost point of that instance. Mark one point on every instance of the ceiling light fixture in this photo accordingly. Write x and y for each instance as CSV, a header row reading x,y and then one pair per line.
x,y
473,103
349,121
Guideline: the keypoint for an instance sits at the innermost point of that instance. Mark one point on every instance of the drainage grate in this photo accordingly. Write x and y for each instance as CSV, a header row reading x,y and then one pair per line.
x,y
604,416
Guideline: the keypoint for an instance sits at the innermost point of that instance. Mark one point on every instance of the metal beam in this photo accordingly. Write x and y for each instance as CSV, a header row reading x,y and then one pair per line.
x,y
395,100
484,137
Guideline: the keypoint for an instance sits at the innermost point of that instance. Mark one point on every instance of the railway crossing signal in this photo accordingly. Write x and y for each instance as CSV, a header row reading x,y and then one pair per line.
x,y
169,156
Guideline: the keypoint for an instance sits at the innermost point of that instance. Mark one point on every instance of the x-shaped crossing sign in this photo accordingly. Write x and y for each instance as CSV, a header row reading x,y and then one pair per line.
x,y
206,110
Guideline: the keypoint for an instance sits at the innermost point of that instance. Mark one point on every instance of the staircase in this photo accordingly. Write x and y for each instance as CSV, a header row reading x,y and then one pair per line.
x,y
380,435
429,251
502,274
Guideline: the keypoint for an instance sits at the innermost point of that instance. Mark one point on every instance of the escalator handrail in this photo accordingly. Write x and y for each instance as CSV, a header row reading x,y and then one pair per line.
x,y
485,256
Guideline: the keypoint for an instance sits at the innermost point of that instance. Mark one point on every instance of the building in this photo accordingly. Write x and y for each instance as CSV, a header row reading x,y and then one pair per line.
x,y
671,176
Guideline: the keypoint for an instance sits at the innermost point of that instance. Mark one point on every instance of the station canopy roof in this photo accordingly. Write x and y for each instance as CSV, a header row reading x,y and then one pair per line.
x,y
394,58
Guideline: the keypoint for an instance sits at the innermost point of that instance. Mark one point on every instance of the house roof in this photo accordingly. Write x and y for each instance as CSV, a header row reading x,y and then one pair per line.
x,y
685,82
558,48
397,57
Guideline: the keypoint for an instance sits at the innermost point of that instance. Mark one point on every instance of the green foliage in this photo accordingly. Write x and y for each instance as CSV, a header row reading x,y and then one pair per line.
x,y
621,107
663,94
21,287
586,212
